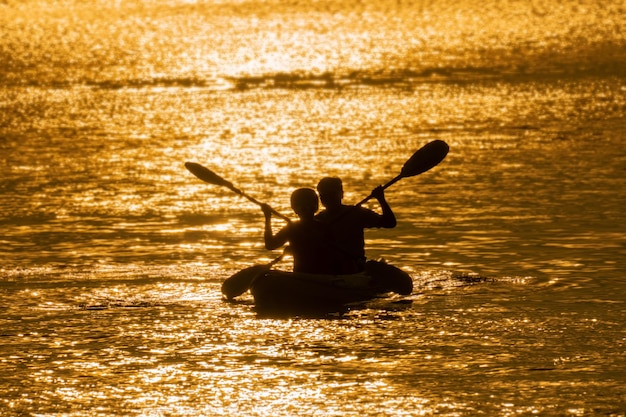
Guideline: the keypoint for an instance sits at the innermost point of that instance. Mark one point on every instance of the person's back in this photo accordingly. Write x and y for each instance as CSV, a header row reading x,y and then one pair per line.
x,y
348,235
308,238
347,223
309,242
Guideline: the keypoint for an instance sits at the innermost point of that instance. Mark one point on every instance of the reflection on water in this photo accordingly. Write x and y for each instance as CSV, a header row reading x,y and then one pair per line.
x,y
502,192
221,44
114,255
159,343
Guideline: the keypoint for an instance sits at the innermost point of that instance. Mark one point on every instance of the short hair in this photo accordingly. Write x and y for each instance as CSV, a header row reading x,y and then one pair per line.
x,y
329,185
304,200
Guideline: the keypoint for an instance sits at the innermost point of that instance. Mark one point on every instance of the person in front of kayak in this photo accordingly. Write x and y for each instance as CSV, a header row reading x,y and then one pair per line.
x,y
347,223
308,237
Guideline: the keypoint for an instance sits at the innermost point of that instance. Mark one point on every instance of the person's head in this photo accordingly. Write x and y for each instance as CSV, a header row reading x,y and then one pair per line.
x,y
304,202
331,191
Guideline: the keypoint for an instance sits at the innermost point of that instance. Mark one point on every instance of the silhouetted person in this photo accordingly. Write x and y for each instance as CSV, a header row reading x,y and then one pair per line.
x,y
347,223
308,238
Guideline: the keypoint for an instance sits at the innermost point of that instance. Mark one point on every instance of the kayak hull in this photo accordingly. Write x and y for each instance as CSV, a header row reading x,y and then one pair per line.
x,y
287,293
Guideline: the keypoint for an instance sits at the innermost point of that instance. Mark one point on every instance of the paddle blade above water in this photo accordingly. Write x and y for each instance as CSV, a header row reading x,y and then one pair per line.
x,y
207,175
426,158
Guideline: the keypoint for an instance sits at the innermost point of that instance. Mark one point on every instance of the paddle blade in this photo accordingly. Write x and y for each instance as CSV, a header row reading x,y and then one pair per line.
x,y
425,158
242,280
206,175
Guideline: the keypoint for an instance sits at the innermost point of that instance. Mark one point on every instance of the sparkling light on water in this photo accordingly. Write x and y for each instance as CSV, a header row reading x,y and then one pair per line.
x,y
113,254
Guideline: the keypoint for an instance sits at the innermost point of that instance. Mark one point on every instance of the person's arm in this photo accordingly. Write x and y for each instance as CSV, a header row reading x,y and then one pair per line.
x,y
388,218
273,241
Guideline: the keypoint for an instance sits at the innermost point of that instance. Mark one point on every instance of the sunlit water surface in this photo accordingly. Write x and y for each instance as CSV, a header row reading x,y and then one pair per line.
x,y
113,254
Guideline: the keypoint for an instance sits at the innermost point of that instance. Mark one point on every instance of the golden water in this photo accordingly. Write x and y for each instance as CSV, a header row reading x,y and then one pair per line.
x,y
113,254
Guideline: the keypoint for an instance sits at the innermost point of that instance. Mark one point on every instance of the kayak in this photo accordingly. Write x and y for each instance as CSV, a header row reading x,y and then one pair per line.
x,y
285,293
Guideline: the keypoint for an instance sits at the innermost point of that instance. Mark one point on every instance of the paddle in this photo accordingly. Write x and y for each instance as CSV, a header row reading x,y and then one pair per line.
x,y
239,283
424,159
211,177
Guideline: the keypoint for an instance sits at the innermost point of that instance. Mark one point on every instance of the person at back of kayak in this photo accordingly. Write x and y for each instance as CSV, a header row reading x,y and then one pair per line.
x,y
308,238
347,223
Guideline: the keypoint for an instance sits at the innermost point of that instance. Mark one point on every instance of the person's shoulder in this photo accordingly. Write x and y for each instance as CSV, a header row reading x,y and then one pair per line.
x,y
363,211
367,218
322,215
335,211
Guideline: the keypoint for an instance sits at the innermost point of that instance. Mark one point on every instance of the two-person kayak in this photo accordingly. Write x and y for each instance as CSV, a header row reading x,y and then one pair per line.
x,y
282,293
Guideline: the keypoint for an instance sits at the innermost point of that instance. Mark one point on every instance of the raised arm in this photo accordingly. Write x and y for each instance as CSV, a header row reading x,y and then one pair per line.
x,y
273,241
388,219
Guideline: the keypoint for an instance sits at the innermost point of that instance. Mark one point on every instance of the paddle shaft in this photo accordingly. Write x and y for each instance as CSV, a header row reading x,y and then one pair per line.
x,y
389,184
211,177
257,202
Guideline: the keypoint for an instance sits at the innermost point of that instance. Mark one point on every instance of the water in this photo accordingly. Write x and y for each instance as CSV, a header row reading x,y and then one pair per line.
x,y
113,254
